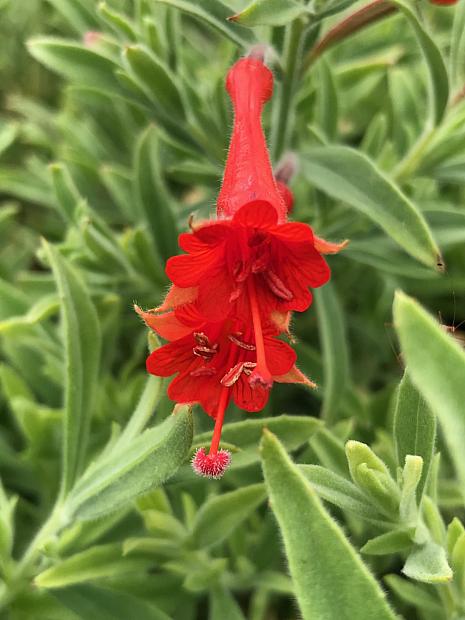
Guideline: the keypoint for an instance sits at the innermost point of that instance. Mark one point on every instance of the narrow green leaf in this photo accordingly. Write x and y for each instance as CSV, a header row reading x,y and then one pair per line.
x,y
94,563
316,547
75,14
269,13
386,544
327,101
82,340
411,475
76,62
293,431
125,473
150,398
454,531
349,176
92,603
436,365
438,78
157,79
152,195
414,428
457,47
215,14
339,491
335,355
413,594
428,563
220,515
223,606
66,192
117,22
8,135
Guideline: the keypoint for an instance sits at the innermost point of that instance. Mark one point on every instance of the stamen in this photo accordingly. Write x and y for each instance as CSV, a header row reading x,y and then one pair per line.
x,y
261,375
277,286
204,349
244,345
232,375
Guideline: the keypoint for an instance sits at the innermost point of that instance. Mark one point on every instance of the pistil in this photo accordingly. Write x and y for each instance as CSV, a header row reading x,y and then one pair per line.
x,y
261,375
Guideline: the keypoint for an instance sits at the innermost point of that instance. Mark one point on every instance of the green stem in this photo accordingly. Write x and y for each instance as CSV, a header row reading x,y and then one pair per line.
x,y
291,63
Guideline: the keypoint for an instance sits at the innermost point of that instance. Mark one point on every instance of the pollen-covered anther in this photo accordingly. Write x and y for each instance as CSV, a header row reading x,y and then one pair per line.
x,y
277,286
235,372
204,348
211,465
235,338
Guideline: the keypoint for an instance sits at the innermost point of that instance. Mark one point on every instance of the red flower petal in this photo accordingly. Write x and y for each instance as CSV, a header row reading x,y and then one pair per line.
x,y
167,325
256,214
247,397
294,232
280,357
190,269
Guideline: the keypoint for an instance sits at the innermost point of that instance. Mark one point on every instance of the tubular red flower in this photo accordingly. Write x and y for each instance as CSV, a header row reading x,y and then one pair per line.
x,y
238,281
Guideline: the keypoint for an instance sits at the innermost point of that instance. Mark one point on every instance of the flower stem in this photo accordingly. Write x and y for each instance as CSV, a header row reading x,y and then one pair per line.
x,y
368,14
283,114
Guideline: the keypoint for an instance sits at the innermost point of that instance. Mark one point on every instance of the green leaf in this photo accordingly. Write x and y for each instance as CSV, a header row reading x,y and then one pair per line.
x,y
428,563
220,515
118,22
135,468
215,14
293,431
76,62
454,531
158,81
335,354
436,365
269,13
339,491
66,192
438,78
152,195
8,135
223,606
386,544
327,101
94,563
457,47
92,603
82,340
411,475
413,594
414,428
349,176
316,547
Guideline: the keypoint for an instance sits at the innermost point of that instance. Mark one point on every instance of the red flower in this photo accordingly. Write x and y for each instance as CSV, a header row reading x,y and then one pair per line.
x,y
239,279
